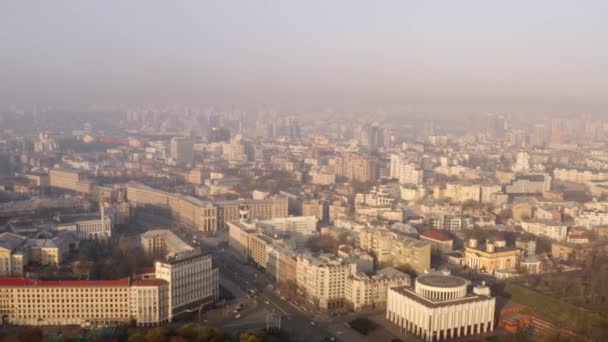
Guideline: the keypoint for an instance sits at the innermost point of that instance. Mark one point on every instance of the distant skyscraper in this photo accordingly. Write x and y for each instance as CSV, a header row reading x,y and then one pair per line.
x,y
371,135
497,125
181,151
5,164
218,134
557,133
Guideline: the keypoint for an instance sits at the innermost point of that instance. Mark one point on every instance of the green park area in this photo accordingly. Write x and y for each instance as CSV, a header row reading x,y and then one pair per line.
x,y
552,309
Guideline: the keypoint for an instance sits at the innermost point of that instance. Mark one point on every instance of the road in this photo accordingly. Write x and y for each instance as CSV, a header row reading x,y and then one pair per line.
x,y
301,325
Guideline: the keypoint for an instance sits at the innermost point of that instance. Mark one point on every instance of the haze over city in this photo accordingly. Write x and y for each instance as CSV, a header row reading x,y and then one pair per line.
x,y
275,171
444,57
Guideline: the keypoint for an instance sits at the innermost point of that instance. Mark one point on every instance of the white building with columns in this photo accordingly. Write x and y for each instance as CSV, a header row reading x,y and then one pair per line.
x,y
440,307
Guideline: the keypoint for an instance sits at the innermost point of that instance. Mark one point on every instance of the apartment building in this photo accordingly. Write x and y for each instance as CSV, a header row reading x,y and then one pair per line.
x,y
392,249
355,167
364,291
12,256
162,242
591,218
322,279
404,171
462,192
552,229
282,263
576,176
322,176
313,208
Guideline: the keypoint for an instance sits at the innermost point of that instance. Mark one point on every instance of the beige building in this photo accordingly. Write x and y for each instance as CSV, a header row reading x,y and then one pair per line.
x,y
263,209
282,264
83,302
462,192
355,167
552,229
64,302
313,208
46,251
149,301
321,176
69,180
392,249
404,171
13,257
87,227
439,307
238,236
491,256
576,176
162,242
363,291
181,151
322,279
184,210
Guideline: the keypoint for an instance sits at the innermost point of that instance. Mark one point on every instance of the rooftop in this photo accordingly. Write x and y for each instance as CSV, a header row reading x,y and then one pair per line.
x,y
441,281
14,282
436,235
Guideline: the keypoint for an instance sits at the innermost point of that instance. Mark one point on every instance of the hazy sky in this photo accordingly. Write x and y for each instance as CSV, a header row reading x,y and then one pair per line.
x,y
443,56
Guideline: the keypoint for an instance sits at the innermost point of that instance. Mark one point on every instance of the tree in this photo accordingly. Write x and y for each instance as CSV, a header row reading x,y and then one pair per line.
x,y
251,337
157,335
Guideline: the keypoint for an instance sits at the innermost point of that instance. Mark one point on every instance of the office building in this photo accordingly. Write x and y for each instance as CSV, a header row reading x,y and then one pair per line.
x,y
184,210
181,151
440,307
192,280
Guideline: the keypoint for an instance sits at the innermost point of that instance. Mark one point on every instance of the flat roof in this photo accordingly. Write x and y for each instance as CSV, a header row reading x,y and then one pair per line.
x,y
27,282
442,281
408,292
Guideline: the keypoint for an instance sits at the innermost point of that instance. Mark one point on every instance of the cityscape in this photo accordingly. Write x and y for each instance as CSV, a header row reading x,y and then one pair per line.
x,y
205,206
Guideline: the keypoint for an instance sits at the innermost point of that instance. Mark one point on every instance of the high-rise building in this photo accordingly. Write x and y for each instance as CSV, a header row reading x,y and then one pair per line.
x,y
356,167
181,151
405,172
193,281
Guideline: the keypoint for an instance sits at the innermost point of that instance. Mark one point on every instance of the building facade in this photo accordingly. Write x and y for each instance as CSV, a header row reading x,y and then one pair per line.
x,y
440,307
